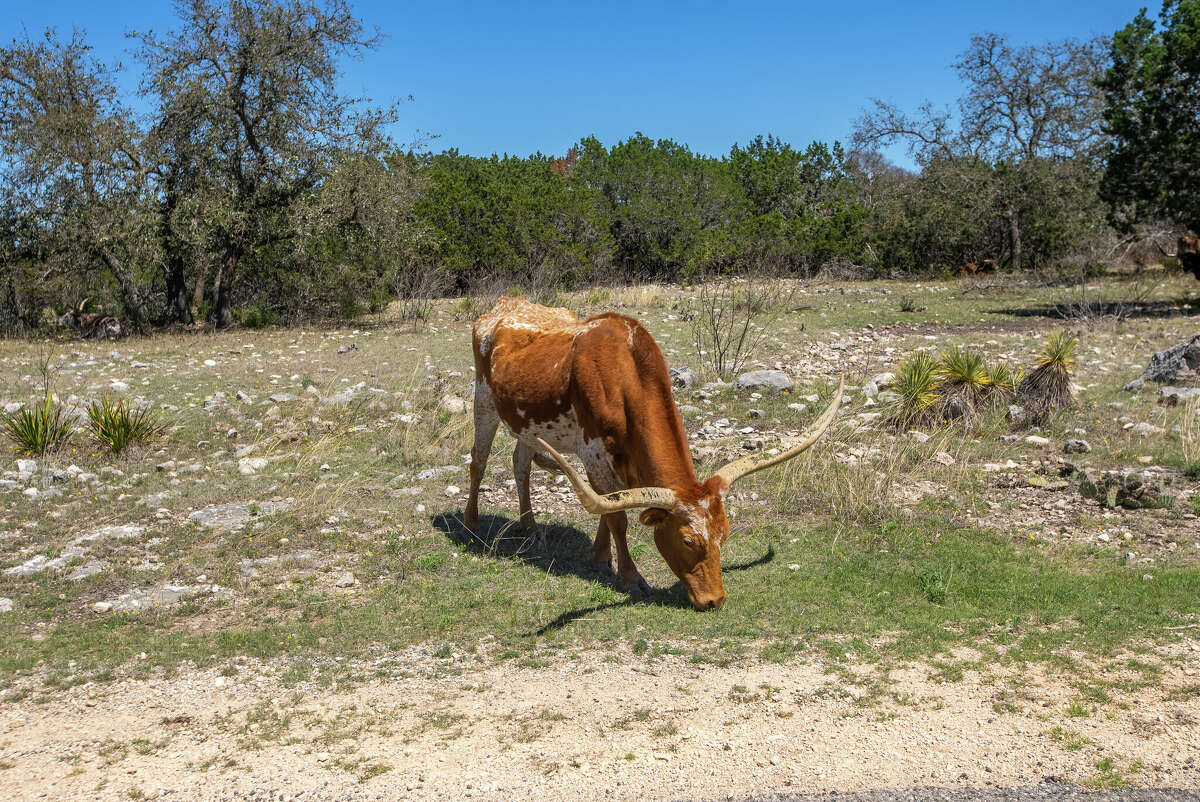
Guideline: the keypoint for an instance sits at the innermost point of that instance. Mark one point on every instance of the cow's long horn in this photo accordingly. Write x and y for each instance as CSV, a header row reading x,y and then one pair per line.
x,y
747,465
660,497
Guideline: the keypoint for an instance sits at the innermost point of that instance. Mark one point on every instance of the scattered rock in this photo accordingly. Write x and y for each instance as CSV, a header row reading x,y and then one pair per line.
x,y
683,377
1145,429
943,458
26,466
102,607
451,491
764,380
284,398
1037,440
880,381
248,466
433,473
6,605
1171,396
1017,415
1076,447
920,437
89,568
1133,386
345,349
1129,490
341,399
346,580
221,516
453,404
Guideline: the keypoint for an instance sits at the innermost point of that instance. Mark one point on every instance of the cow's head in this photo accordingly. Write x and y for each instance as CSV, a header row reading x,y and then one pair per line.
x,y
690,526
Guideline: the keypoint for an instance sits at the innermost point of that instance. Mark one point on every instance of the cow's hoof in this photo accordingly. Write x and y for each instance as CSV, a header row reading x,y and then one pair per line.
x,y
637,587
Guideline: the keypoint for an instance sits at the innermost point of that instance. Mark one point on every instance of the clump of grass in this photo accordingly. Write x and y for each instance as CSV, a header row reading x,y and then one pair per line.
x,y
963,383
36,430
1047,389
116,425
916,385
908,304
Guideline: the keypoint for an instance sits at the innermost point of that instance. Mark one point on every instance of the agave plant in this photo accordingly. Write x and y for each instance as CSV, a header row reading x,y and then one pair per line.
x,y
916,385
963,382
1005,381
1047,389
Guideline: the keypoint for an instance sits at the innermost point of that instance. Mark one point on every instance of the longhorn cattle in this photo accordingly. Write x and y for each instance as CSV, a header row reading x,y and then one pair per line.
x,y
1187,250
93,325
599,388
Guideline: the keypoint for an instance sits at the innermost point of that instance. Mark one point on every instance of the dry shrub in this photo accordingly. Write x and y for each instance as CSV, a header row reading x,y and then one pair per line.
x,y
732,319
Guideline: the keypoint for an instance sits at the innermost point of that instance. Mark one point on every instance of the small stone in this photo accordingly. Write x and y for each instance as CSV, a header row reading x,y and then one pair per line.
x,y
26,466
118,387
1076,447
248,466
451,491
682,377
943,458
6,605
346,580
764,380
1134,386
1017,415
919,437
1037,440
102,607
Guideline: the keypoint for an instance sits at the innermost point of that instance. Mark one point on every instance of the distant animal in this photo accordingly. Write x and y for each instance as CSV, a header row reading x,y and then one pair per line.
x,y
93,325
977,268
599,388
1187,251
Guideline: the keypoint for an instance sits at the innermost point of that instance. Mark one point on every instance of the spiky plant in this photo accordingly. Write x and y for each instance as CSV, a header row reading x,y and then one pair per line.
x,y
963,382
916,385
116,425
37,429
1046,391
1005,381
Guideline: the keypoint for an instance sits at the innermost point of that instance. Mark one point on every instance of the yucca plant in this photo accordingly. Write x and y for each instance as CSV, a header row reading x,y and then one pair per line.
x,y
116,425
1005,381
916,385
36,430
1047,389
963,382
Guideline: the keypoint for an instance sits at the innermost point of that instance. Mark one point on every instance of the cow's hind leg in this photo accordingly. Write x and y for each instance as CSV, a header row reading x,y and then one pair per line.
x,y
522,463
487,420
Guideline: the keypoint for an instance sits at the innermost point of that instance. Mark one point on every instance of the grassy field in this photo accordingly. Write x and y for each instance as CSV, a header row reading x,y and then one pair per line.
x,y
877,543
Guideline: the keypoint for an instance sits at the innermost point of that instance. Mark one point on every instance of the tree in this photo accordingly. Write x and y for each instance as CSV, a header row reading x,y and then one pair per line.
x,y
1025,108
75,184
249,114
1152,113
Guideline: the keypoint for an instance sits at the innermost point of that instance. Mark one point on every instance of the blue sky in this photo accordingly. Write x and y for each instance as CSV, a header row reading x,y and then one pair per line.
x,y
519,78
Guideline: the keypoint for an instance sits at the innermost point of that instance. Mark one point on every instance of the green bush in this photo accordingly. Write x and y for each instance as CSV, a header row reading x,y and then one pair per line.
x,y
257,316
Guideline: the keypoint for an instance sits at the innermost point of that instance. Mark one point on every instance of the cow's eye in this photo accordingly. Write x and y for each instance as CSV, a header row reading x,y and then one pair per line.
x,y
688,541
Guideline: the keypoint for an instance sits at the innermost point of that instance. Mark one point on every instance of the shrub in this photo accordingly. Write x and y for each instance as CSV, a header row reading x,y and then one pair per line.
x,y
35,430
257,316
116,425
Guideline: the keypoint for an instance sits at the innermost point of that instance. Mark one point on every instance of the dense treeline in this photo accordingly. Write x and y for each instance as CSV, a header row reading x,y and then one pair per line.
x,y
254,190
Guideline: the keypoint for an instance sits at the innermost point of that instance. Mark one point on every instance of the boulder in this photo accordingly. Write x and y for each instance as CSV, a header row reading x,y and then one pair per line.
x,y
1076,447
1174,363
764,380
1172,396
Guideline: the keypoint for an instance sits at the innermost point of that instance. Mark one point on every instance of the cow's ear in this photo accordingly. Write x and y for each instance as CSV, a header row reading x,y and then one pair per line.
x,y
652,516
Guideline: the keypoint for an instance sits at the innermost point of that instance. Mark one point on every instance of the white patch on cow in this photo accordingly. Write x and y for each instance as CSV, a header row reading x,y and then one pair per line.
x,y
629,339
696,519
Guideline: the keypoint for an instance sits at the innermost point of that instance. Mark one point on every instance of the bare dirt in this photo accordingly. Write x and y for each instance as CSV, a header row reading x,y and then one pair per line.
x,y
590,726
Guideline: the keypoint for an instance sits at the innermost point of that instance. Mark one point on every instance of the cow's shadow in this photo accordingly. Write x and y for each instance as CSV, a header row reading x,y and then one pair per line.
x,y
568,551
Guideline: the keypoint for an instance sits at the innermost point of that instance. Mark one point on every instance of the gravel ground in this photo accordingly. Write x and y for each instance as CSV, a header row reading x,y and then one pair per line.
x,y
1048,792
595,726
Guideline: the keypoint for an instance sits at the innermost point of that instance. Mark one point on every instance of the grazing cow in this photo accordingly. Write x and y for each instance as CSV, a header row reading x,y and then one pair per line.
x,y
599,388
1187,250
93,325
977,268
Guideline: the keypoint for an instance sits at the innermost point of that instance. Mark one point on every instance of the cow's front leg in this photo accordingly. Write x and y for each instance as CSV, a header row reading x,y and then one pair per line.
x,y
602,549
618,522
522,462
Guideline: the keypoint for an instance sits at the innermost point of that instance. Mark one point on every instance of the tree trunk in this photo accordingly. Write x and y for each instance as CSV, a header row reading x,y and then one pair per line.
x,y
198,290
178,308
224,307
1014,234
129,294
